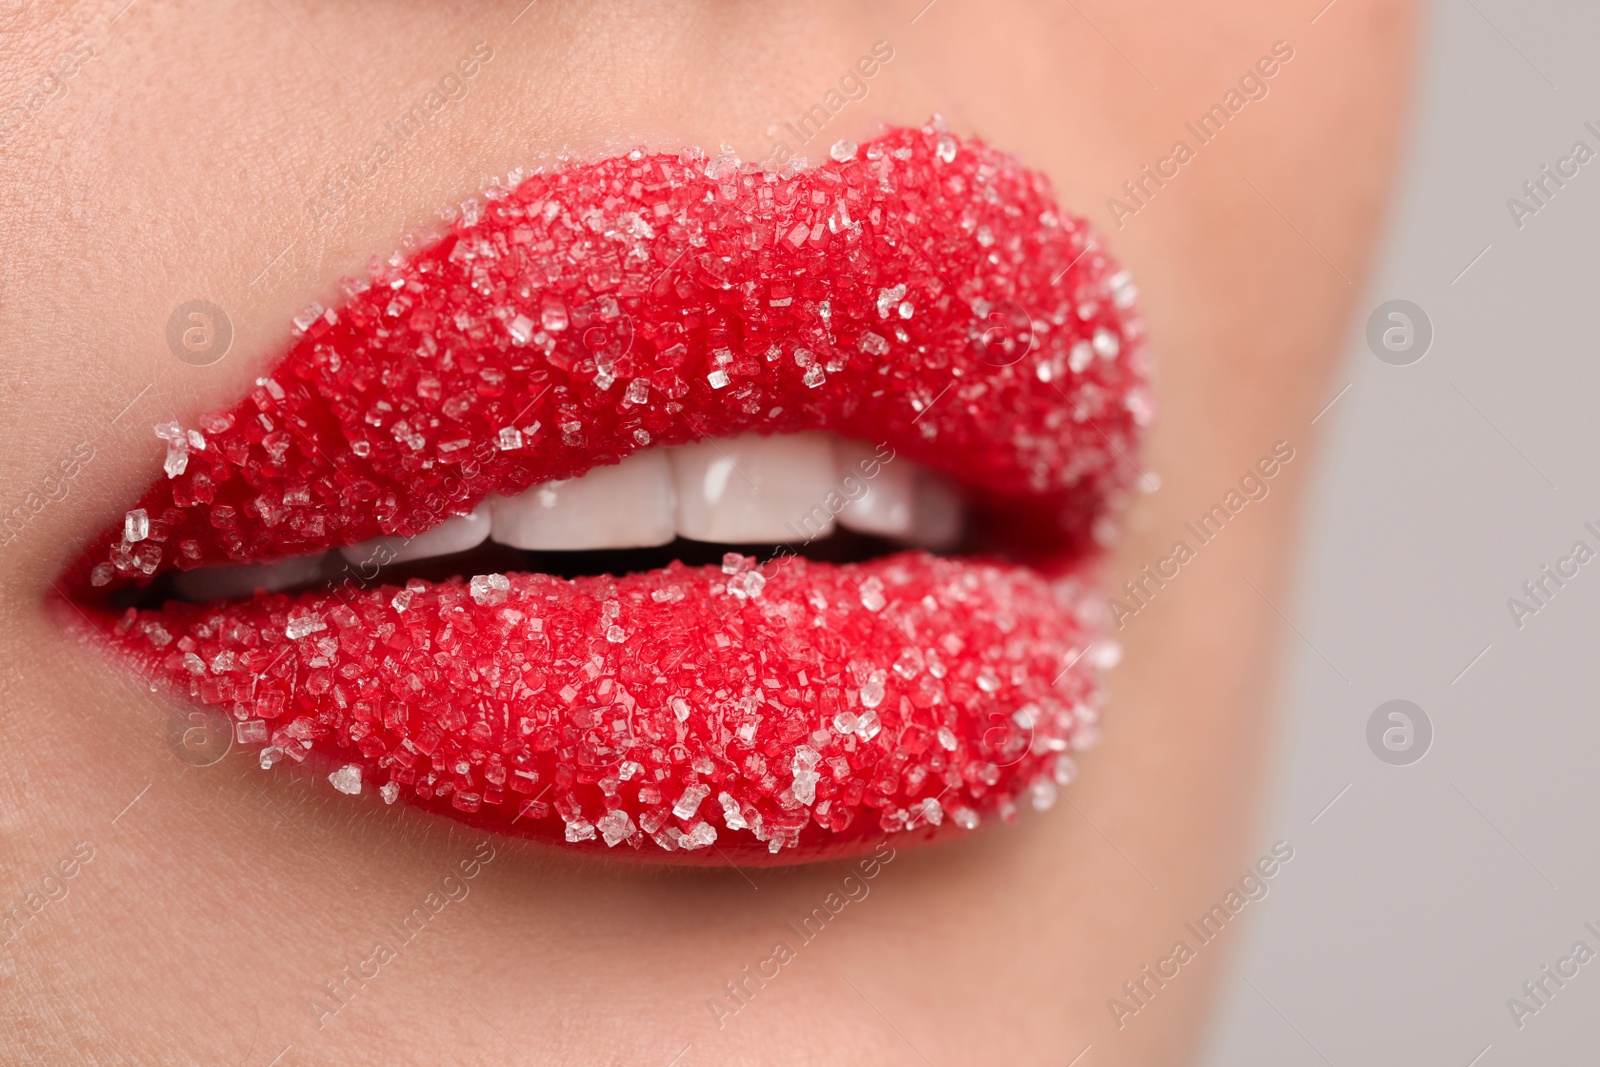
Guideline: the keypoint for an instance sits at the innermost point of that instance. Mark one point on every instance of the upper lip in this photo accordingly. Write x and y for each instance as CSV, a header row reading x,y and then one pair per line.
x,y
506,353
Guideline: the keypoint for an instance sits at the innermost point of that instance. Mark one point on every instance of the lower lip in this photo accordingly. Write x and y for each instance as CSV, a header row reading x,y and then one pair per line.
x,y
796,710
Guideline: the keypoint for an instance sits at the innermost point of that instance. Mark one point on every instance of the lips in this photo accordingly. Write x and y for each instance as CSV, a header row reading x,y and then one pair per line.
x,y
917,303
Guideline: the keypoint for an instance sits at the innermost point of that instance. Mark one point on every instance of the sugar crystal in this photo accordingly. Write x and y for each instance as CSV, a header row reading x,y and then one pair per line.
x,y
872,689
136,525
521,330
701,835
732,818
347,779
804,768
489,588
304,625
1106,344
615,826
689,802
177,460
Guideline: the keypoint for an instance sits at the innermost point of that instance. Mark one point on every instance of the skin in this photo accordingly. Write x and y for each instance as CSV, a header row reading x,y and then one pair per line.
x,y
179,163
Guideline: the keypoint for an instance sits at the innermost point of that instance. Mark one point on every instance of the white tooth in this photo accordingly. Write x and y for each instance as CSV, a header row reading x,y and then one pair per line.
x,y
455,534
626,505
224,583
884,506
937,512
753,489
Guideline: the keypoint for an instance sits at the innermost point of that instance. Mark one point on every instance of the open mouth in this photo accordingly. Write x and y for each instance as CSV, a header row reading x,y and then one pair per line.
x,y
671,508
808,494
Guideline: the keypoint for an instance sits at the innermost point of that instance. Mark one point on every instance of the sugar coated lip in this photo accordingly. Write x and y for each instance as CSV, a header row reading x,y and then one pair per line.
x,y
920,294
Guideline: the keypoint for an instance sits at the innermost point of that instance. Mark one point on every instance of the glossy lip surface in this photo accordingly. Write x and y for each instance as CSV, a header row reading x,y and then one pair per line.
x,y
918,290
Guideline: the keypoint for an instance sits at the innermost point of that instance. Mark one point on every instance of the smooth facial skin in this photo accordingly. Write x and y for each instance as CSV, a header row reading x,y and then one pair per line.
x,y
172,153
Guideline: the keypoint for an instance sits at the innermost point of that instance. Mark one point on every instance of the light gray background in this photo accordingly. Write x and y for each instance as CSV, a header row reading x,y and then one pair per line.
x,y
1426,895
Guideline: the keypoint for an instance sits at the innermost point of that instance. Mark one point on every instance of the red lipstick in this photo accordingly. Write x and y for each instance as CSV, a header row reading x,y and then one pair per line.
x,y
920,292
